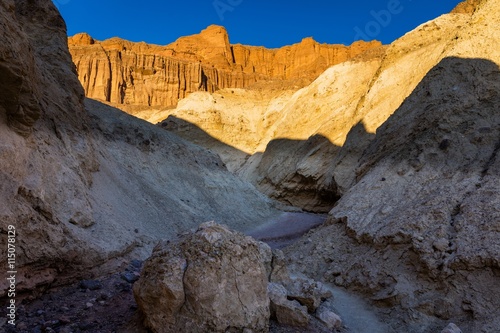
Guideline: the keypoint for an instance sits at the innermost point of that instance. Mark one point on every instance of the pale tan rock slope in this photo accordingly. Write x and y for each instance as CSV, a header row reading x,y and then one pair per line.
x,y
86,184
293,135
126,73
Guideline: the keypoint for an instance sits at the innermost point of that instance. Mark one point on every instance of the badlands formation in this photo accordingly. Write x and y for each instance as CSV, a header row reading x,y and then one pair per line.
x,y
399,144
140,74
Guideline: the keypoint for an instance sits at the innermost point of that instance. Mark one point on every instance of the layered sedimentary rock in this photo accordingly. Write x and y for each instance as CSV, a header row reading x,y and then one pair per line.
x,y
85,184
123,72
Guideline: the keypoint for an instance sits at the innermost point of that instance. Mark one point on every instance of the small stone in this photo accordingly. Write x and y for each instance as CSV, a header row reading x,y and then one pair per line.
x,y
451,328
307,292
286,312
441,244
137,264
21,326
130,277
40,312
102,297
64,320
88,305
329,318
339,281
90,284
123,286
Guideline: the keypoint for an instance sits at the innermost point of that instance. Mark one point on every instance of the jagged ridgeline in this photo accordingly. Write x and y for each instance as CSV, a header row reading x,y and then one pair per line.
x,y
123,72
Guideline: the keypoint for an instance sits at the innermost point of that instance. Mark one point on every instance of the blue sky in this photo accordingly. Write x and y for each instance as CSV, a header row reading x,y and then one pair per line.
x,y
251,22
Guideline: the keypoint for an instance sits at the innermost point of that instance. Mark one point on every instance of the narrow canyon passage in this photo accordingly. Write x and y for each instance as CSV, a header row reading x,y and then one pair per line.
x,y
287,228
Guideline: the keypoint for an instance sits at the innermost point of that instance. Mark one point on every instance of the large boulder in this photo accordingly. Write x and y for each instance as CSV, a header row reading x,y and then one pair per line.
x,y
213,280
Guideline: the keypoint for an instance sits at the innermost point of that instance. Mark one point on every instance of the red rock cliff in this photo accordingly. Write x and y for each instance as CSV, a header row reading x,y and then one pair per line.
x,y
123,72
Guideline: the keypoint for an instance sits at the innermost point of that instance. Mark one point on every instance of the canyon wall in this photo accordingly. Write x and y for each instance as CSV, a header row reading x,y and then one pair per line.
x,y
85,185
408,160
417,228
349,100
123,72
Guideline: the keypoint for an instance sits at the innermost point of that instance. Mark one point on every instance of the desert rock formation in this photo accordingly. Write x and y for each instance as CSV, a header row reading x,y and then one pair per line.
x,y
211,281
217,280
418,229
123,72
86,185
306,128
408,159
412,152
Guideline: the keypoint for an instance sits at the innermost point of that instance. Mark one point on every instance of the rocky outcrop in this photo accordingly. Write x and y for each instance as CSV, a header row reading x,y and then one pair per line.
x,y
413,156
286,311
467,7
213,280
297,172
418,226
218,280
19,94
123,72
85,185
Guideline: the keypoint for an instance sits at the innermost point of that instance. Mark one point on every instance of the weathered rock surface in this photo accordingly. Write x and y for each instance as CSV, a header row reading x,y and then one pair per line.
x,y
285,311
123,72
321,110
289,162
88,185
19,93
329,318
451,328
307,292
213,280
417,229
218,280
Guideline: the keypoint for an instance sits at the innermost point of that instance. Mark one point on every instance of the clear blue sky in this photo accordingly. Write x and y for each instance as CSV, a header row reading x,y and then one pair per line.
x,y
271,23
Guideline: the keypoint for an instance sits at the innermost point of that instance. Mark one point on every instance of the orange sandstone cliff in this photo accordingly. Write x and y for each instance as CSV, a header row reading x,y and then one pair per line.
x,y
124,72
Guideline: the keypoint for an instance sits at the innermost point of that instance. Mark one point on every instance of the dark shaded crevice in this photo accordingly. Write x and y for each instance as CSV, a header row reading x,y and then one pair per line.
x,y
491,160
109,82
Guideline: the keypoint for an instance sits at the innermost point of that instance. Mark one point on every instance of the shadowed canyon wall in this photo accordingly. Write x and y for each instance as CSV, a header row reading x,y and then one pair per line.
x,y
84,184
